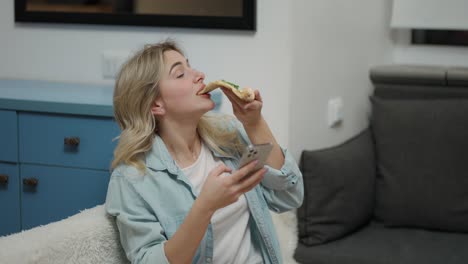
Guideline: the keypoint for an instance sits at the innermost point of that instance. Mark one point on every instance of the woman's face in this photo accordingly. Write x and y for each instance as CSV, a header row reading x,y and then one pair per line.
x,y
179,86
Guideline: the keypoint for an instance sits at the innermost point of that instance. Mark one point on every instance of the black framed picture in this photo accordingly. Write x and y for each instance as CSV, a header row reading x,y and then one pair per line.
x,y
440,37
214,14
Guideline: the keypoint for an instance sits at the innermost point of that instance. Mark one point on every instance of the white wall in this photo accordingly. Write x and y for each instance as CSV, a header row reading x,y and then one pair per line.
x,y
334,45
303,53
406,53
73,53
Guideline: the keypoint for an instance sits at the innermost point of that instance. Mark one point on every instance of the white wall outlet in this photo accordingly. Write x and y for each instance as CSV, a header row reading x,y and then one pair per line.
x,y
335,112
112,60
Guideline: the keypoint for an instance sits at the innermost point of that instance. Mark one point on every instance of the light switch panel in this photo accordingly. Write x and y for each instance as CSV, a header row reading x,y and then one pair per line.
x,y
335,112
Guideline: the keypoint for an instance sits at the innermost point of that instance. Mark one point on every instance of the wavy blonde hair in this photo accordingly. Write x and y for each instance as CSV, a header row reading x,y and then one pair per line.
x,y
136,89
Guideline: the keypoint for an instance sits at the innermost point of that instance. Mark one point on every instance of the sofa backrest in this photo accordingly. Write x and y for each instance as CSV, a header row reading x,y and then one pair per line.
x,y
419,124
398,81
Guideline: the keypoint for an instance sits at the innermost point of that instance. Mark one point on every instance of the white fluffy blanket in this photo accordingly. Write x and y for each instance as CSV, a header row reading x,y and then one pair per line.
x,y
286,229
92,237
88,237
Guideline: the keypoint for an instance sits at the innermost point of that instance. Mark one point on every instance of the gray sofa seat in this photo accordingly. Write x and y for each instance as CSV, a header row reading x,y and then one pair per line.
x,y
376,244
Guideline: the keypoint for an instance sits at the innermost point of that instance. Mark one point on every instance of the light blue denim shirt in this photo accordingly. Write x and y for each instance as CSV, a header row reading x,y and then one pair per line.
x,y
150,208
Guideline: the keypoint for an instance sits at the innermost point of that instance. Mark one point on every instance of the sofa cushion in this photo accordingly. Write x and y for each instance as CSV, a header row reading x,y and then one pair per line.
x,y
376,244
339,190
422,158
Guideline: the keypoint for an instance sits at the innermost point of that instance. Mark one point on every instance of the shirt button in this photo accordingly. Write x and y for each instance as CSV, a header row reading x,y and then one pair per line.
x,y
208,260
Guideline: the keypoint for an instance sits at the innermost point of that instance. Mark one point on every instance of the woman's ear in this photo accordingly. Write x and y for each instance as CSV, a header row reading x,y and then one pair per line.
x,y
157,108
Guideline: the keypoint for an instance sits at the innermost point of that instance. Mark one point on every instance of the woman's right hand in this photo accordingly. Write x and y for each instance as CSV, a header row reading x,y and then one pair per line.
x,y
219,190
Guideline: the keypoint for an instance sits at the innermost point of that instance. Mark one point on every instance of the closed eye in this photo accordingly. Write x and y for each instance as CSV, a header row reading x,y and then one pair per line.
x,y
180,76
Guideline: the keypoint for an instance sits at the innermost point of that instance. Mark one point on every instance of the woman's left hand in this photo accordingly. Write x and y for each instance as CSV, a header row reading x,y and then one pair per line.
x,y
249,114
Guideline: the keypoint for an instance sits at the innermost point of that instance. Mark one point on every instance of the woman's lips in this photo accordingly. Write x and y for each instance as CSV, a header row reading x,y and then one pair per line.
x,y
201,88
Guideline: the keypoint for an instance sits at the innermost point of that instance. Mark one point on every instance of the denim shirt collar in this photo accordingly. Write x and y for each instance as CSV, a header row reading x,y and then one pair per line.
x,y
159,159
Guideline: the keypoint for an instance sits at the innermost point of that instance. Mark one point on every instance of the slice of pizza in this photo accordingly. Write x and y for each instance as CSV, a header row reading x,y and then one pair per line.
x,y
245,94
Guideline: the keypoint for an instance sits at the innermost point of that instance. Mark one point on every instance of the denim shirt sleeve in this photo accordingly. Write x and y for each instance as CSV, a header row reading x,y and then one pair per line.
x,y
283,189
141,234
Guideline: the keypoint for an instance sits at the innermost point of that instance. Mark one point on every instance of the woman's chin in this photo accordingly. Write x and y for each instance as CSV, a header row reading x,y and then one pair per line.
x,y
210,106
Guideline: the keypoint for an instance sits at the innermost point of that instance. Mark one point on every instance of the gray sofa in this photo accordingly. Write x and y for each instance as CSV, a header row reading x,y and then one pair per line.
x,y
396,193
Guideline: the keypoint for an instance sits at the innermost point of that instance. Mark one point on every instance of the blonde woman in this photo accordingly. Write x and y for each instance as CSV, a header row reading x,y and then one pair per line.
x,y
176,191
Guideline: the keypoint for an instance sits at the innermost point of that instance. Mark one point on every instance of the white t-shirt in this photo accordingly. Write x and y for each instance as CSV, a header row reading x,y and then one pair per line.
x,y
231,233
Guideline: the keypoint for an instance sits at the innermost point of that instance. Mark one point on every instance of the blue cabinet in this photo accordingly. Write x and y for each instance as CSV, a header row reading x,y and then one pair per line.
x,y
55,151
55,165
59,192
9,199
9,136
66,140
9,173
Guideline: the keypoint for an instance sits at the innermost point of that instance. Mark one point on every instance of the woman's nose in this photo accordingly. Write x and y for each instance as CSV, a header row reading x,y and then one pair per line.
x,y
199,76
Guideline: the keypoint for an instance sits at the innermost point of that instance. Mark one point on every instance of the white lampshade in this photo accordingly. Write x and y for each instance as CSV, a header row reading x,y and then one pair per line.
x,y
430,14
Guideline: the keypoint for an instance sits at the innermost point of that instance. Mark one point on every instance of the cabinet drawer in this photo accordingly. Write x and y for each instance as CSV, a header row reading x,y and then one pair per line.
x,y
9,199
59,193
8,136
53,140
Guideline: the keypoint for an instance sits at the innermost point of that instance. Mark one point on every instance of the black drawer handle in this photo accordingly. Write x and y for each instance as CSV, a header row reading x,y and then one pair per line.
x,y
31,182
3,179
71,141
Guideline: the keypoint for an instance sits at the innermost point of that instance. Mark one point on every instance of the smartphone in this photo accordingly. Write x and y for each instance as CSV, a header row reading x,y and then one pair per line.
x,y
258,152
